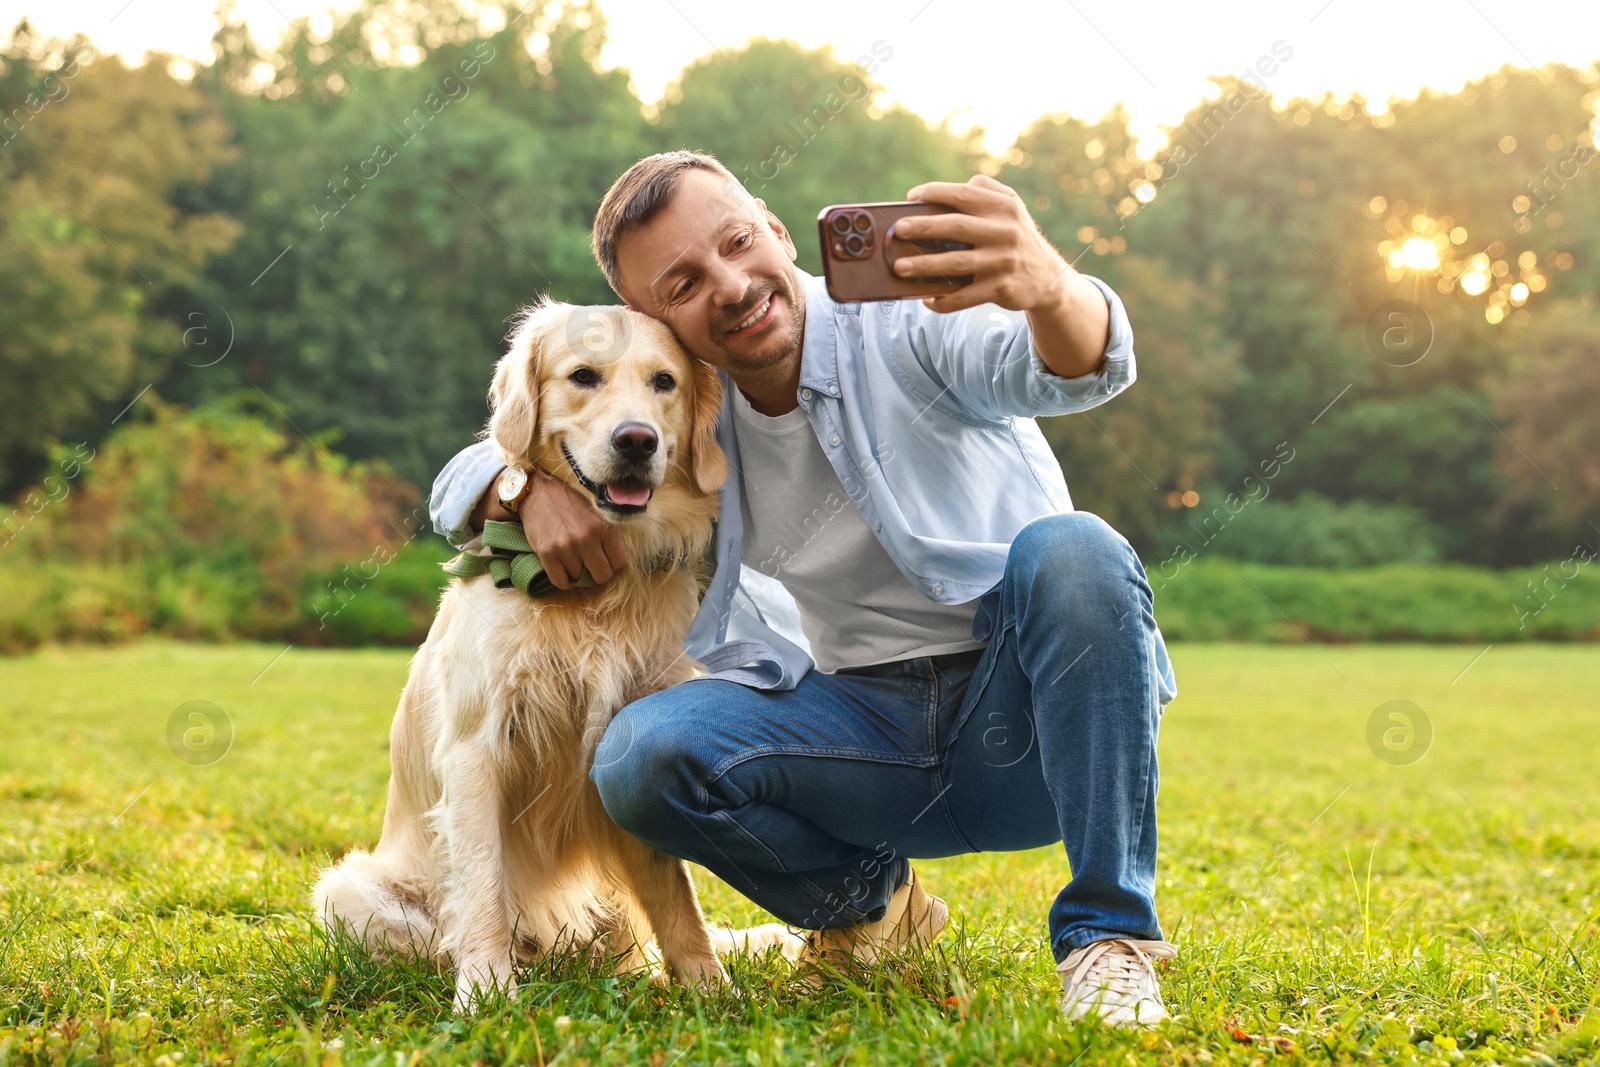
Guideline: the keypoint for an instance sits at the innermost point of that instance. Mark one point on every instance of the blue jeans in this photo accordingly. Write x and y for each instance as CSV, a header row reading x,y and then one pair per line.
x,y
812,801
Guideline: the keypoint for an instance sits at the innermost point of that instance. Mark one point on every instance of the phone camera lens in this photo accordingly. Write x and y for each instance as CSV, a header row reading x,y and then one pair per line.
x,y
841,224
863,222
854,244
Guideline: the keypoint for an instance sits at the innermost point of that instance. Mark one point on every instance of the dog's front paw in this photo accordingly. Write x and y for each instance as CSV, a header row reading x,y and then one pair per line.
x,y
706,972
477,984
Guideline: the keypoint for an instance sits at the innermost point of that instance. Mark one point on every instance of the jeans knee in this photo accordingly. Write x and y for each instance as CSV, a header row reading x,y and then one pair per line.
x,y
1073,565
642,768
1076,546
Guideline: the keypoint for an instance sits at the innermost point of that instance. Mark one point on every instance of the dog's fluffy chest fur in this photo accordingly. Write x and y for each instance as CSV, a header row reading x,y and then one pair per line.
x,y
559,667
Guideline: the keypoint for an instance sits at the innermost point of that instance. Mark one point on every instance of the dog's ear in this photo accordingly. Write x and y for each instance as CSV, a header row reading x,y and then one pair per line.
x,y
514,396
707,464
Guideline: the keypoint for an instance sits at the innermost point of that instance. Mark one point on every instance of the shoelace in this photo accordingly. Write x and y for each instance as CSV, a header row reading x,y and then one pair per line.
x,y
1117,965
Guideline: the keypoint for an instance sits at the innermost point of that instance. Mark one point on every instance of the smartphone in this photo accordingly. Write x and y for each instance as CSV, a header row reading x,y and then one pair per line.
x,y
859,251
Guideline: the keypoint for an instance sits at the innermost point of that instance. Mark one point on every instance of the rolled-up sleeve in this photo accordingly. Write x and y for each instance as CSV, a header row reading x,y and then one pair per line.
x,y
458,489
1051,394
985,357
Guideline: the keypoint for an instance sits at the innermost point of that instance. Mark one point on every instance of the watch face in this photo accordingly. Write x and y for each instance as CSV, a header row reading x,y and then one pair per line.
x,y
512,479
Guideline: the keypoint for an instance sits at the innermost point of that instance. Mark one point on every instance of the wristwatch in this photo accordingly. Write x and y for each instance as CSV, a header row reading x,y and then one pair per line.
x,y
511,487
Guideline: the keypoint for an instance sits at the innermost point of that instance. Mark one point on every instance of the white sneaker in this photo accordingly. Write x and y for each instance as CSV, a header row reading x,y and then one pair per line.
x,y
1115,981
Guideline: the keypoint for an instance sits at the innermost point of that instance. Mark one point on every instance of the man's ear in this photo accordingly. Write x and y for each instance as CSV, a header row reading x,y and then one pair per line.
x,y
707,465
781,232
514,395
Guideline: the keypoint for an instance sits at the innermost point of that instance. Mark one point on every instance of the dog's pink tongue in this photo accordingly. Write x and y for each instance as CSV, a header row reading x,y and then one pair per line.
x,y
628,497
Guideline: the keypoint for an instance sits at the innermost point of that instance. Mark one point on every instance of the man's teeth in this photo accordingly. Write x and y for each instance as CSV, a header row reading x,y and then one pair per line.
x,y
755,316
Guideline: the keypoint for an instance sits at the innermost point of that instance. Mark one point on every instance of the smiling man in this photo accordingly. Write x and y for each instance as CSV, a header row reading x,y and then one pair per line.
x,y
915,647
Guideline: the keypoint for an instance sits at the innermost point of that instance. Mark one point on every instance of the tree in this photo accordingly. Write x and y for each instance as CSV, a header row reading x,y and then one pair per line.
x,y
1130,459
1127,461
1547,393
396,216
1293,208
95,228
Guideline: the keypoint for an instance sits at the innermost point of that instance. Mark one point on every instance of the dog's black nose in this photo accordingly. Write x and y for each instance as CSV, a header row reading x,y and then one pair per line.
x,y
636,441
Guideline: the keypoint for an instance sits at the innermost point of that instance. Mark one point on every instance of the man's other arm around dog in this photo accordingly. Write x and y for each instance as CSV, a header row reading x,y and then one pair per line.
x,y
564,529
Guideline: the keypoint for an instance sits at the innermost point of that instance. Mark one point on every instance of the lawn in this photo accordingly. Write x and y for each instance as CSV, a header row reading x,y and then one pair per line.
x,y
1329,905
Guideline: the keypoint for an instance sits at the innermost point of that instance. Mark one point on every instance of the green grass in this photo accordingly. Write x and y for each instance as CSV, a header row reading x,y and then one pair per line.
x,y
1341,907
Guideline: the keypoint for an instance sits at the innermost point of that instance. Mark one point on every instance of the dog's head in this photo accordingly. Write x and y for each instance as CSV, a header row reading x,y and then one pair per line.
x,y
605,399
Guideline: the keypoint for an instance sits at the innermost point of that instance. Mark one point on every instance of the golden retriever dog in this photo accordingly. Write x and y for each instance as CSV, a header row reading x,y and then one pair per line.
x,y
495,845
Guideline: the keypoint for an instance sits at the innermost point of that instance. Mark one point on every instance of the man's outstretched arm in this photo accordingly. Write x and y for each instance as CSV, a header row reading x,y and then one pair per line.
x,y
1012,265
1029,335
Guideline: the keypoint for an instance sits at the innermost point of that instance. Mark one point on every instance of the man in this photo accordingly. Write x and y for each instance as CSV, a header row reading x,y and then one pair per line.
x,y
975,666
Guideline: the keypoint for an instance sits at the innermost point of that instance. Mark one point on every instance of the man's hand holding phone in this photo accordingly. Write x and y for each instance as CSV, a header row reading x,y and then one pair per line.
x,y
1012,265
1010,261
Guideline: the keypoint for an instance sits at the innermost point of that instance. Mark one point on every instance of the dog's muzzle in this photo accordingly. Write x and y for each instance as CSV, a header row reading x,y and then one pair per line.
x,y
636,443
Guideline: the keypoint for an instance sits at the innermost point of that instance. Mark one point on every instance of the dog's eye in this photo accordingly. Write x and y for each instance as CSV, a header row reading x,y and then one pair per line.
x,y
584,376
663,382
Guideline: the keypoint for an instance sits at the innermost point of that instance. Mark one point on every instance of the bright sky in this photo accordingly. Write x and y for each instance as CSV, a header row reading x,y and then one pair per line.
x,y
1000,64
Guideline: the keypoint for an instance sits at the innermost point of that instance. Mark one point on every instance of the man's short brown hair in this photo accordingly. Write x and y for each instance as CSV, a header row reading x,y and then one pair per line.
x,y
638,196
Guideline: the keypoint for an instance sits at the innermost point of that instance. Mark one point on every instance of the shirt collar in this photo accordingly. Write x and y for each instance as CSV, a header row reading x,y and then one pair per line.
x,y
819,352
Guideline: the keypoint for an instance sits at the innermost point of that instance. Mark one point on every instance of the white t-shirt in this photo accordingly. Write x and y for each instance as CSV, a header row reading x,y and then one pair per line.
x,y
802,528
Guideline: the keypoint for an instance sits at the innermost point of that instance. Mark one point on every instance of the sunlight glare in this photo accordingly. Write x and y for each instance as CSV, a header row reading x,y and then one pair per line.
x,y
1417,253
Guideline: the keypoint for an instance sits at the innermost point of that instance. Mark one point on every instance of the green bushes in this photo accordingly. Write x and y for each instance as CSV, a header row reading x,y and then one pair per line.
x,y
1221,600
218,523
59,601
377,602
1208,600
1311,531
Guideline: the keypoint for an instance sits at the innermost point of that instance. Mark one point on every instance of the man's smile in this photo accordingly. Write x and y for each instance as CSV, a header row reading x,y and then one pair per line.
x,y
757,318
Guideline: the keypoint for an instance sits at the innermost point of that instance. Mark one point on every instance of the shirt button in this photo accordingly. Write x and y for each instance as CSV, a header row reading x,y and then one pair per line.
x,y
805,394
936,589
834,440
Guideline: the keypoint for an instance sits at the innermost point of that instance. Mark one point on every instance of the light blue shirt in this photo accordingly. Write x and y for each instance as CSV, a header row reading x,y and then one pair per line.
x,y
928,419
